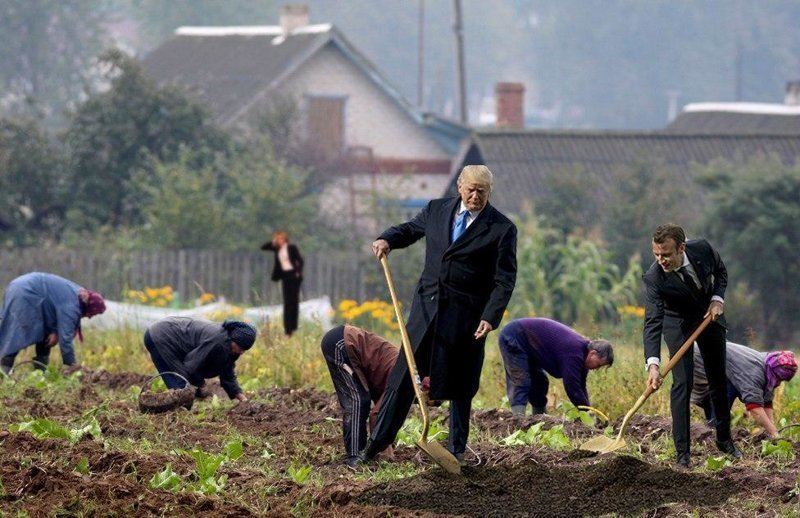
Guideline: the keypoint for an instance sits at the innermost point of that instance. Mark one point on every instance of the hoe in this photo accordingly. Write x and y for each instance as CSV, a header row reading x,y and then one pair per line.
x,y
603,444
435,450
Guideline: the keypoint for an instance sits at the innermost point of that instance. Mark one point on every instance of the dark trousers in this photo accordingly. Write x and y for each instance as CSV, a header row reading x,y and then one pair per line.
x,y
708,406
290,288
172,382
353,397
397,402
526,382
712,349
42,356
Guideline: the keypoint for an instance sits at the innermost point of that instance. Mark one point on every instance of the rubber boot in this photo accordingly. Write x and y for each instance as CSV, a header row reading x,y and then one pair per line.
x,y
6,363
519,410
41,362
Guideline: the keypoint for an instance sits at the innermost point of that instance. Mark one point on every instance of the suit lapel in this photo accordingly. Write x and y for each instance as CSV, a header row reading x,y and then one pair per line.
x,y
446,230
478,227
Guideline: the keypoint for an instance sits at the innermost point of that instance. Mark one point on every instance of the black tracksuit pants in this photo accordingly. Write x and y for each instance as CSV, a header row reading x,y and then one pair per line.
x,y
354,399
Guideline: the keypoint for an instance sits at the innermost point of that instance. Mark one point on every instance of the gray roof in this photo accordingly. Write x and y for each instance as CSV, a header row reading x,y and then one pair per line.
x,y
233,68
735,122
227,72
522,159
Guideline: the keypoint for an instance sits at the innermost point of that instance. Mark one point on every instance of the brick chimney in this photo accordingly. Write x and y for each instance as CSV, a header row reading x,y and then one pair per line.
x,y
792,94
293,16
510,105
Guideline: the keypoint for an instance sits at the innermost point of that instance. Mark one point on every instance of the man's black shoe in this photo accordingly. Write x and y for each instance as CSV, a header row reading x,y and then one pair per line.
x,y
369,452
353,461
729,448
685,460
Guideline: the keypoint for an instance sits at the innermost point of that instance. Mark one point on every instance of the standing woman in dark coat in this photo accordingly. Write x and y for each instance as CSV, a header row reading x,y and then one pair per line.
x,y
198,350
288,269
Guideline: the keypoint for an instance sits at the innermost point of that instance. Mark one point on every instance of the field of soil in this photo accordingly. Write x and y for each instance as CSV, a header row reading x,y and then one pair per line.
x,y
282,430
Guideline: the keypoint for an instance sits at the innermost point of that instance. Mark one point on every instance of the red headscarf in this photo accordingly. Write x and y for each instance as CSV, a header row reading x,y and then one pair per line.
x,y
94,305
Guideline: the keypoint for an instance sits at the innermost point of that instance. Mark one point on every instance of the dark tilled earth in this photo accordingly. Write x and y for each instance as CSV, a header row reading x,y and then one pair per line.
x,y
300,426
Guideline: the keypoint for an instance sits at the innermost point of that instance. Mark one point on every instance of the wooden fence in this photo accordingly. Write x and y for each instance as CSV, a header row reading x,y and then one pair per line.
x,y
239,277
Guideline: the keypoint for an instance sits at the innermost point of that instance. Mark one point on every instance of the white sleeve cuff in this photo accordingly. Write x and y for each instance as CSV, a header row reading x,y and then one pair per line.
x,y
653,360
718,298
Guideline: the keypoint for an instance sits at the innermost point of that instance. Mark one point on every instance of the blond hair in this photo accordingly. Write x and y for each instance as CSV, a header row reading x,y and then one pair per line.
x,y
479,174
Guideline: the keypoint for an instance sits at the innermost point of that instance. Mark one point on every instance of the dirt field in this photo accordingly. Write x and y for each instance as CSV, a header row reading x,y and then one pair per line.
x,y
284,429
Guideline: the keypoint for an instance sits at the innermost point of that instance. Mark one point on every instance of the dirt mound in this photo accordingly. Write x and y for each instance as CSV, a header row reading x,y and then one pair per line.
x,y
114,380
596,486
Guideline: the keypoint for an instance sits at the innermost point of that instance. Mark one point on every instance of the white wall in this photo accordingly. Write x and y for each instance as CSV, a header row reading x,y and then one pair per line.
x,y
372,118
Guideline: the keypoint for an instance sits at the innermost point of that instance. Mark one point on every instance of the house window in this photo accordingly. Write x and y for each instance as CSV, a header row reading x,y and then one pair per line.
x,y
325,124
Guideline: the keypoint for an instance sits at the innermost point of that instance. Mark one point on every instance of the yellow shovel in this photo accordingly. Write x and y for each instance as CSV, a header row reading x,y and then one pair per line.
x,y
435,450
603,444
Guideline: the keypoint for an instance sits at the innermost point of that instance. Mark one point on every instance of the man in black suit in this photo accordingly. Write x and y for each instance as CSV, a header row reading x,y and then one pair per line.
x,y
685,284
469,275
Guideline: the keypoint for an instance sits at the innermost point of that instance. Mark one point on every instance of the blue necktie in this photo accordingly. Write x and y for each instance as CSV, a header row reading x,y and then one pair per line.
x,y
460,226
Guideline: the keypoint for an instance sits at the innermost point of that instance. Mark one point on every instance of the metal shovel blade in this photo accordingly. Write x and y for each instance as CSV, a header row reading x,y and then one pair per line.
x,y
603,444
440,455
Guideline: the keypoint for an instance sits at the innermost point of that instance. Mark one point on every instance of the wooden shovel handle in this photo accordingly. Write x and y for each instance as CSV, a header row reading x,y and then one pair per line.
x,y
407,349
686,345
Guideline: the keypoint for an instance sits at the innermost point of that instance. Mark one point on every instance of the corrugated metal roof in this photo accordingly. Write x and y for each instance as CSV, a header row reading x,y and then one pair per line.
x,y
522,160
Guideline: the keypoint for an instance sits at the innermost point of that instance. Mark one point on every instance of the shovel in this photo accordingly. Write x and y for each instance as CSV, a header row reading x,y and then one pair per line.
x,y
603,444
436,451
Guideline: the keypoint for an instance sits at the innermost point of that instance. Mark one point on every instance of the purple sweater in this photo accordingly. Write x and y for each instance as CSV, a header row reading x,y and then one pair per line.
x,y
557,349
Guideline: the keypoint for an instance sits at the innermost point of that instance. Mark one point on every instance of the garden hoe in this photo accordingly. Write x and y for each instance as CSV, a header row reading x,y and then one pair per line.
x,y
435,450
603,444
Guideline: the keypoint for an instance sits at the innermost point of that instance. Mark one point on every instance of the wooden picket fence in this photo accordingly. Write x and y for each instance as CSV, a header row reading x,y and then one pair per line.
x,y
242,277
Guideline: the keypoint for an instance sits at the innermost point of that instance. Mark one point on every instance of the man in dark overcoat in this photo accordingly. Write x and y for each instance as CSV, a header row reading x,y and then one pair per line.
x,y
469,275
686,283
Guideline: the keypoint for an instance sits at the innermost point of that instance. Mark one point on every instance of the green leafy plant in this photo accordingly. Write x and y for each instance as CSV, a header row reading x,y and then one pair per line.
x,y
781,448
299,474
552,438
166,479
411,430
572,413
49,429
83,466
717,463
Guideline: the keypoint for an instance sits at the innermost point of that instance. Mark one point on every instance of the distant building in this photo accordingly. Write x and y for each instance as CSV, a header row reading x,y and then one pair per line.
x,y
741,117
377,145
523,159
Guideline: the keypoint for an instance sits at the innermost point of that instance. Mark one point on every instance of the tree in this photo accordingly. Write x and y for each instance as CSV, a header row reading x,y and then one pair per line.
x,y
47,52
570,202
752,215
32,190
121,130
640,198
568,277
231,203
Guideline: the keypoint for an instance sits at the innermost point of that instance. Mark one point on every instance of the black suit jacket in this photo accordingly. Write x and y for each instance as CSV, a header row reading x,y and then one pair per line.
x,y
462,283
674,310
294,257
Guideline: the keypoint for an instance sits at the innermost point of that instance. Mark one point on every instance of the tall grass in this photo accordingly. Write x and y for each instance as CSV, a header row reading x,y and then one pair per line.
x,y
278,361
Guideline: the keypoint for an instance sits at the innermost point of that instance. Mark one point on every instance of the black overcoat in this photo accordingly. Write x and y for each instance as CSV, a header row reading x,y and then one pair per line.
x,y
462,283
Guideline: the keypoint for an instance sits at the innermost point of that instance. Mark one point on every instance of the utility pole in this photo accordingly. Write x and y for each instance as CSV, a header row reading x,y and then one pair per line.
x,y
421,55
460,79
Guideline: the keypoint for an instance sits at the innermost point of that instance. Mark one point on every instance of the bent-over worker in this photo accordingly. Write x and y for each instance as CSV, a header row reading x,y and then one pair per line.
x,y
532,348
199,350
359,363
46,310
752,378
